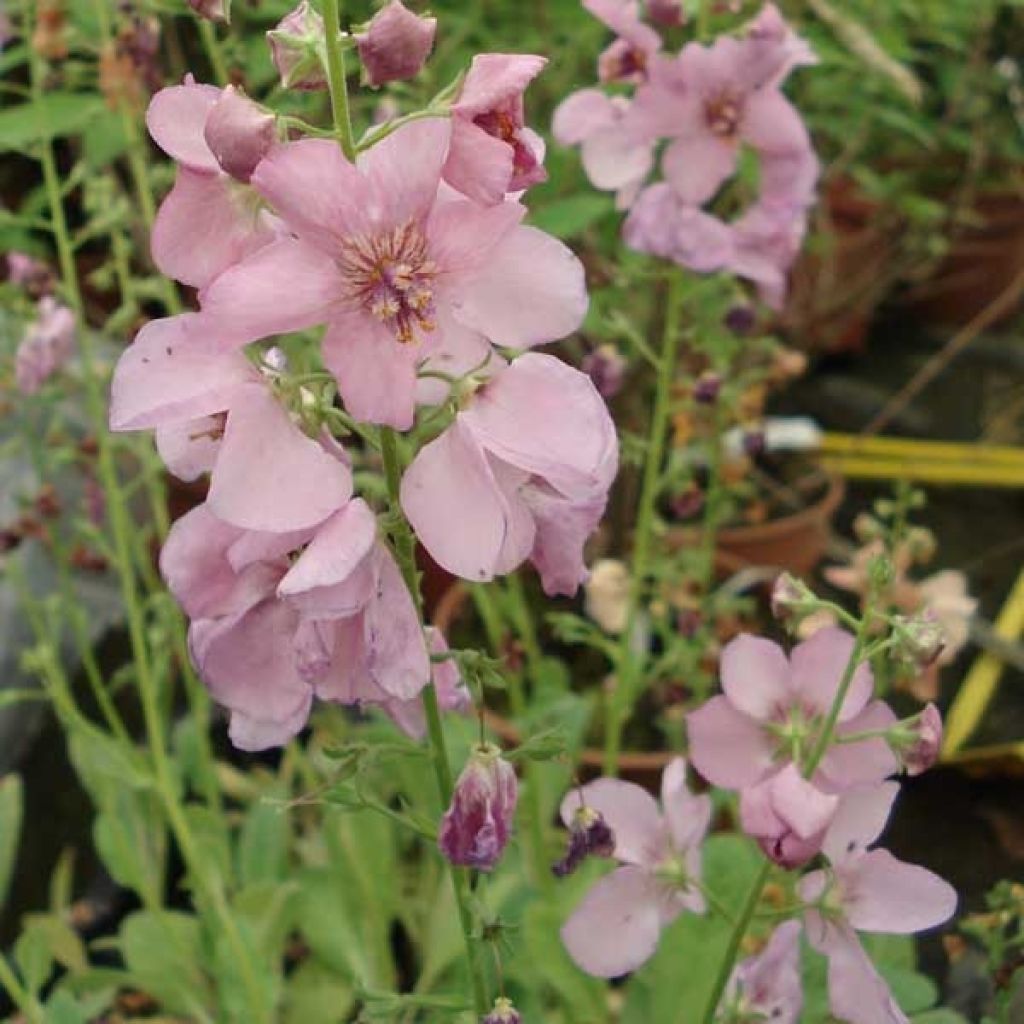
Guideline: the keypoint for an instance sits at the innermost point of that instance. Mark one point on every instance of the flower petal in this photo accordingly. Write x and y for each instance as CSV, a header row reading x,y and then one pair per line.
x,y
696,167
817,669
581,114
865,762
688,815
479,165
176,118
531,290
269,475
617,925
630,812
755,676
727,747
189,447
859,821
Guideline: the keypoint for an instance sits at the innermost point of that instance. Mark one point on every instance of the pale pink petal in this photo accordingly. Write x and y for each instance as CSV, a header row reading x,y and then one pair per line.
x,y
189,447
697,166
520,527
531,290
616,927
453,502
318,193
630,812
271,476
859,821
376,374
172,372
818,665
397,658
687,815
623,18
203,227
404,170
285,286
802,806
334,555
546,417
613,159
857,992
247,732
561,530
865,762
462,234
254,546
883,894
494,79
239,133
772,124
582,114
727,747
479,165
755,676
458,350
176,118
771,982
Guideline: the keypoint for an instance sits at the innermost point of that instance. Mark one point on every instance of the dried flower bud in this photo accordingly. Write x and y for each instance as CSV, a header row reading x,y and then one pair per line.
x,y
918,639
239,133
49,39
31,274
669,13
212,10
589,835
395,44
606,367
606,594
476,827
706,390
921,751
741,320
503,1013
921,544
295,49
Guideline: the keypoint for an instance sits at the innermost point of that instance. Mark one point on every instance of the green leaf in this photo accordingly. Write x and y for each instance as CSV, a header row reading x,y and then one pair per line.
x,y
62,941
263,844
11,809
105,140
59,113
33,957
105,766
572,215
129,837
939,1016
316,994
163,952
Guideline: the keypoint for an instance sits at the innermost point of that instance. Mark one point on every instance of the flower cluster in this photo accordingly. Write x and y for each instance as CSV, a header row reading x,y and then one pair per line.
x,y
413,259
707,102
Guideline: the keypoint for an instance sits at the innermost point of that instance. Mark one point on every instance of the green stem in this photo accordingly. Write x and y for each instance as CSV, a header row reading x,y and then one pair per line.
x,y
735,938
20,996
336,78
712,510
621,701
211,44
405,553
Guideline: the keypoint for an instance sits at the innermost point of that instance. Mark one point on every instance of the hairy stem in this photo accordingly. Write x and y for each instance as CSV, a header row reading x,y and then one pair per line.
x,y
336,79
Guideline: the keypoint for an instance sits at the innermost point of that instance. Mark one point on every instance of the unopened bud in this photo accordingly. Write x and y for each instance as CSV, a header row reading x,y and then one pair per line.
x,y
606,368
395,44
295,49
921,750
792,600
589,835
921,544
504,1012
476,827
706,390
754,443
606,594
689,503
741,320
867,528
212,10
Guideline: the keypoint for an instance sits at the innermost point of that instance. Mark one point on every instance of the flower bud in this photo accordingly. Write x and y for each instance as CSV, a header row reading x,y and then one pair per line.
x,y
294,49
741,320
706,390
606,368
669,13
31,274
589,835
476,827
922,750
689,503
395,44
754,443
212,10
918,639
921,544
791,599
47,346
606,594
503,1013
239,133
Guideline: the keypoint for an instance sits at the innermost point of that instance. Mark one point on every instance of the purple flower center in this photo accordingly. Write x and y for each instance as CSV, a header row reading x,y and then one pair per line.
x,y
391,277
722,114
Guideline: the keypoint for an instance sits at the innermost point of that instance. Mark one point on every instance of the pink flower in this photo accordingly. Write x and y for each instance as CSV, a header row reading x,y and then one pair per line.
x,y
616,927
396,44
523,472
867,890
923,749
768,986
628,57
666,12
31,274
755,736
294,49
48,344
213,10
476,827
492,151
616,157
208,220
398,273
213,411
278,618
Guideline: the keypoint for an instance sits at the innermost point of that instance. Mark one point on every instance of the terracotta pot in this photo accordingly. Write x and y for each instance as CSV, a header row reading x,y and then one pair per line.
x,y
796,542
983,259
840,280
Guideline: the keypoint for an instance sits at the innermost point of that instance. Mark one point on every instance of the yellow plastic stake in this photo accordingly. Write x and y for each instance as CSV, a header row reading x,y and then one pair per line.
x,y
980,684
